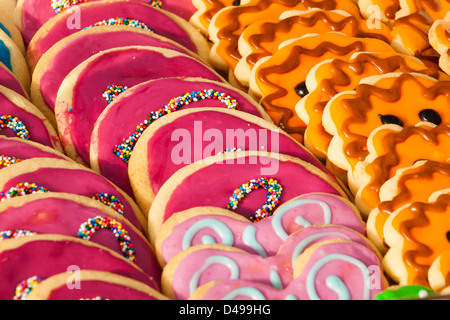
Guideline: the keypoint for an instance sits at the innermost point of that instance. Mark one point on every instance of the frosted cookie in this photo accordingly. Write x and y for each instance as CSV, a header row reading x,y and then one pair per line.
x,y
92,285
12,58
133,13
412,184
205,10
279,79
49,255
416,235
351,116
21,119
8,28
391,148
189,136
120,126
329,270
203,225
94,83
53,175
10,81
14,150
228,24
382,10
68,53
333,76
81,217
439,37
243,171
200,264
262,38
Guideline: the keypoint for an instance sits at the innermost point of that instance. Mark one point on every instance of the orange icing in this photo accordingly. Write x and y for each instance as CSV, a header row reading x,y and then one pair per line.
x,y
264,37
355,115
231,23
401,149
211,7
423,228
341,75
277,77
415,184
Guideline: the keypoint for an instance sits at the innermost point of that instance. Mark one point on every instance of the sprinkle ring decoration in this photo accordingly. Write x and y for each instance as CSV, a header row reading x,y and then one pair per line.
x,y
61,5
110,201
16,233
6,161
21,189
111,92
24,287
274,190
88,228
124,150
119,21
14,123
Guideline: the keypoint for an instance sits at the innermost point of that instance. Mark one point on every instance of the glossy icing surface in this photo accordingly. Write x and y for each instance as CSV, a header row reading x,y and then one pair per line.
x,y
114,68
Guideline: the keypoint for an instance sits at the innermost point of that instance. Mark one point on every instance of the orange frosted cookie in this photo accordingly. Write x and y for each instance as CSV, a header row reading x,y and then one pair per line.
x,y
279,80
412,184
392,148
228,24
393,98
383,10
417,235
263,38
332,76
206,9
439,37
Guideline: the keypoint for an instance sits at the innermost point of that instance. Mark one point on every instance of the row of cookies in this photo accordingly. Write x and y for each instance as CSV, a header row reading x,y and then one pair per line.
x,y
50,203
203,85
362,100
103,133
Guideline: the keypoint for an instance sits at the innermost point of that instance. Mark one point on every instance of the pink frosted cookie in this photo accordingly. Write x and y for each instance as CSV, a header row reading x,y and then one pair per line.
x,y
188,136
117,12
10,81
20,118
57,175
13,59
66,54
202,225
14,150
93,84
200,264
231,177
81,217
328,270
121,124
30,259
93,285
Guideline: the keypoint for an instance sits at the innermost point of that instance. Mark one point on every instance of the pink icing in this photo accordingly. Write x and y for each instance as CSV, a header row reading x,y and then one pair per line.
x,y
253,267
121,118
44,258
125,67
199,122
348,273
37,130
22,150
92,289
8,80
82,48
215,184
267,233
82,182
65,216
153,18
